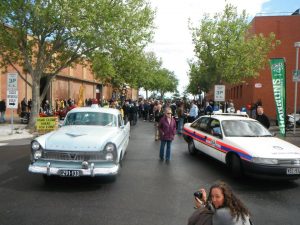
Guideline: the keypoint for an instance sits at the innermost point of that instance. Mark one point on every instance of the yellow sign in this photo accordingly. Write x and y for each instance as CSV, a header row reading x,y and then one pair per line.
x,y
46,123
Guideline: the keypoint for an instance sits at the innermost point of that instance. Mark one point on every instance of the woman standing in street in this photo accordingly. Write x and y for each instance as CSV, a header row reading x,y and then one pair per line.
x,y
167,130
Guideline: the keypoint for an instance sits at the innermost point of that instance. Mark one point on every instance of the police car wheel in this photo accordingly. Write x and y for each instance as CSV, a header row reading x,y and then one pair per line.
x,y
191,147
236,166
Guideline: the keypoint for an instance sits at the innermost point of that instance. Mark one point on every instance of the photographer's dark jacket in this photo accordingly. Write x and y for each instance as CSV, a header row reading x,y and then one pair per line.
x,y
201,216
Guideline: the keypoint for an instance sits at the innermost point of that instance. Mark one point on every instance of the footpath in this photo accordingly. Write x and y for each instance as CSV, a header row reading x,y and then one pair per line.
x,y
18,131
10,132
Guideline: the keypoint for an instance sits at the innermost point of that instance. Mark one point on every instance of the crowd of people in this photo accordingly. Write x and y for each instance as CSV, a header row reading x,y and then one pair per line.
x,y
147,109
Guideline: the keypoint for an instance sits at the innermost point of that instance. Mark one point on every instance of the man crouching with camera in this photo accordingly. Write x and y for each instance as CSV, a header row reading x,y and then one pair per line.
x,y
221,207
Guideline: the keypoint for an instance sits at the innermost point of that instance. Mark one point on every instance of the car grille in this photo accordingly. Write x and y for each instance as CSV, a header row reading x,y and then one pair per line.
x,y
73,156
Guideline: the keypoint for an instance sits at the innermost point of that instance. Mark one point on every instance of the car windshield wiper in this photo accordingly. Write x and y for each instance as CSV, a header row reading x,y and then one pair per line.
x,y
266,135
249,136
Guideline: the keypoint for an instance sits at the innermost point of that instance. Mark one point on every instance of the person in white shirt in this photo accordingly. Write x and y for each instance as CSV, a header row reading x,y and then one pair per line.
x,y
193,113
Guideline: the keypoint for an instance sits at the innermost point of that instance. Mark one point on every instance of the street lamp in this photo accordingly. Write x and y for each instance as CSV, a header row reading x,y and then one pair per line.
x,y
297,46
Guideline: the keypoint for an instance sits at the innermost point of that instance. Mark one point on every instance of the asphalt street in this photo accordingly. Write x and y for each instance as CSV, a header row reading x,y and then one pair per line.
x,y
146,192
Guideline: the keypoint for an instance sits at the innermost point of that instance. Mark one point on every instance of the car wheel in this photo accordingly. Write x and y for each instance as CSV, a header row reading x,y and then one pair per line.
x,y
191,147
236,166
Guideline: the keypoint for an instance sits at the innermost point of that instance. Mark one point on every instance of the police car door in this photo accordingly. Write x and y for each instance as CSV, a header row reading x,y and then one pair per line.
x,y
212,136
200,134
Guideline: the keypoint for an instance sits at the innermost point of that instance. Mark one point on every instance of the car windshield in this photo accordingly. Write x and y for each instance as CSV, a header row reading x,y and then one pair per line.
x,y
244,128
91,118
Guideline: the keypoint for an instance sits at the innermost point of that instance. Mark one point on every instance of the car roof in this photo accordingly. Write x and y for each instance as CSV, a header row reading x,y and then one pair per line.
x,y
95,109
230,117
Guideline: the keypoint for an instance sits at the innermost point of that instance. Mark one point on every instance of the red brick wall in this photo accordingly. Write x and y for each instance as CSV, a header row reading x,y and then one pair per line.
x,y
286,30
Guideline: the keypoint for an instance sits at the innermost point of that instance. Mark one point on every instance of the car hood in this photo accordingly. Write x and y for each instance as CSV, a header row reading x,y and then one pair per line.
x,y
79,138
265,147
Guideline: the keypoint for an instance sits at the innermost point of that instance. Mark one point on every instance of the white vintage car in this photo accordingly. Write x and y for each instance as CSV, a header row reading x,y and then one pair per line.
x,y
91,142
244,145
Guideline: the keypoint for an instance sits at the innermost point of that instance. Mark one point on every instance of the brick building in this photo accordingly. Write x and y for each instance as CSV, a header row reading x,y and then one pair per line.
x,y
250,91
66,85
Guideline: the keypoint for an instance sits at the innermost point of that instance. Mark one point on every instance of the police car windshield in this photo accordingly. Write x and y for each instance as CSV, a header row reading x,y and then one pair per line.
x,y
244,128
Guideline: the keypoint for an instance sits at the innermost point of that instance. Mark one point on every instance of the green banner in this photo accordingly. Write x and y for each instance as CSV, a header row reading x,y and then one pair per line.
x,y
279,88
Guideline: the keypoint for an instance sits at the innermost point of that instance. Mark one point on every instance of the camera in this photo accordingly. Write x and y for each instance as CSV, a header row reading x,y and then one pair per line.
x,y
198,194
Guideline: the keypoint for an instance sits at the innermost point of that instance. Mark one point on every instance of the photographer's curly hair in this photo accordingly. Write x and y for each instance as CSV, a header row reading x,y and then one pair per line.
x,y
237,208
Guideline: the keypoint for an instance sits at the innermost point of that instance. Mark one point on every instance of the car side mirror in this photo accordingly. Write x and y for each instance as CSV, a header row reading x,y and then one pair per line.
x,y
216,131
217,135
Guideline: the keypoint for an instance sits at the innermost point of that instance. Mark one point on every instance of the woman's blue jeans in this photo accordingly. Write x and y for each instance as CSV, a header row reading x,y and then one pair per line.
x,y
162,149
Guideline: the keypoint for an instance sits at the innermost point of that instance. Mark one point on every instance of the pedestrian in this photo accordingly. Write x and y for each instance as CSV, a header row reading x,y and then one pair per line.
x,y
2,111
158,114
29,105
227,208
180,114
262,118
167,130
193,113
24,105
208,109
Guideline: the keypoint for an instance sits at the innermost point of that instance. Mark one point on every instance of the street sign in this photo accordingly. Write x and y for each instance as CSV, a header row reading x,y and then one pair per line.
x,y
12,91
219,93
296,75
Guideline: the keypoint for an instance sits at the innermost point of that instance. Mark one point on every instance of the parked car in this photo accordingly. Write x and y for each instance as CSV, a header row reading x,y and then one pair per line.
x,y
91,142
244,145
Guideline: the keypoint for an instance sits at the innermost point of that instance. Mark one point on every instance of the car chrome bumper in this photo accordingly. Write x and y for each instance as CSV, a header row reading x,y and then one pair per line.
x,y
91,171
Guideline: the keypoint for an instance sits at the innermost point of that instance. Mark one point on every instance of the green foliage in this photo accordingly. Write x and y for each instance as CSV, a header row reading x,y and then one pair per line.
x,y
226,51
45,36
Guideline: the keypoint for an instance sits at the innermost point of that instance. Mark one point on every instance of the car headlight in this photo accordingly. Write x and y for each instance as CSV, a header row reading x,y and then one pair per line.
x,y
265,161
109,156
35,145
37,154
111,152
110,147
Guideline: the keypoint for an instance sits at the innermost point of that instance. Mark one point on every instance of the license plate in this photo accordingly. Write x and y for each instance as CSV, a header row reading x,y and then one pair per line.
x,y
291,171
70,173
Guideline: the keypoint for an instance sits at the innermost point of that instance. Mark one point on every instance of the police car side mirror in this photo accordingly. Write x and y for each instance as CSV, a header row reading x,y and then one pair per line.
x,y
216,131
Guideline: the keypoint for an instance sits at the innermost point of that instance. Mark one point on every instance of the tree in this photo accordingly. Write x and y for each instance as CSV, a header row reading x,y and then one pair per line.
x,y
165,81
46,36
226,51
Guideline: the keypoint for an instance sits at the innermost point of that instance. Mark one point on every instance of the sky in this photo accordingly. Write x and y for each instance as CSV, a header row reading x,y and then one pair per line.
x,y
173,41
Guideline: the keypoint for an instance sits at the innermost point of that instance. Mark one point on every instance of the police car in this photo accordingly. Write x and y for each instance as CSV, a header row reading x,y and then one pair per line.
x,y
244,145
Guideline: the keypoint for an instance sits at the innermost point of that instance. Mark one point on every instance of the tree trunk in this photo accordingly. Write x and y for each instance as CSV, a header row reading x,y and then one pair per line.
x,y
146,94
35,108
